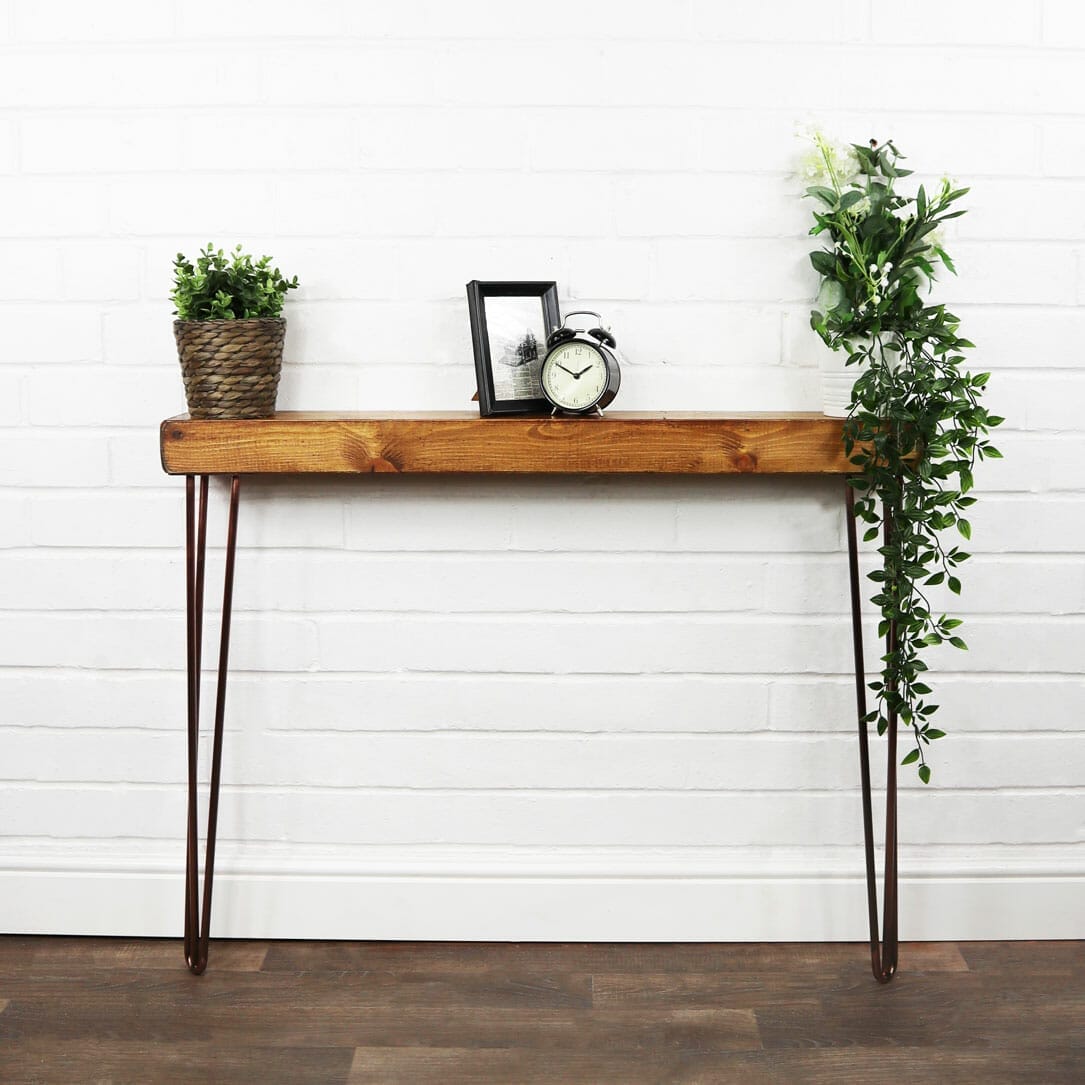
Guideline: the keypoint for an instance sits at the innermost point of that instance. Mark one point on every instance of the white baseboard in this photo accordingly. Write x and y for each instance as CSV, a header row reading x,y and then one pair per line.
x,y
516,906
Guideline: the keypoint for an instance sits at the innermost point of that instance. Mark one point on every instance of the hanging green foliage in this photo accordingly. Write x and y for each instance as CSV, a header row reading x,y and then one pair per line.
x,y
916,426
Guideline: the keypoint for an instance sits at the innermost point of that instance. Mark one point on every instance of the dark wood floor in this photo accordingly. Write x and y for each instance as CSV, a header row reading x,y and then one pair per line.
x,y
78,1010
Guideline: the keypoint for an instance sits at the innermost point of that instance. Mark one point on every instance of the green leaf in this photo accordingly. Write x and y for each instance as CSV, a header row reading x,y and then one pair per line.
x,y
944,256
925,773
965,528
831,296
911,757
826,195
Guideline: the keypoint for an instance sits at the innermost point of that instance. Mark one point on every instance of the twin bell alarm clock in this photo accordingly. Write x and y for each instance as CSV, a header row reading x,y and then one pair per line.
x,y
580,372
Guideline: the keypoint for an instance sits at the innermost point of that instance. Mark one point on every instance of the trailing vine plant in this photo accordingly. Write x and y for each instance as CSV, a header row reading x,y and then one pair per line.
x,y
915,427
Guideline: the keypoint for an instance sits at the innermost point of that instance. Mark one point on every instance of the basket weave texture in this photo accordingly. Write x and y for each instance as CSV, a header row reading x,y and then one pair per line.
x,y
230,367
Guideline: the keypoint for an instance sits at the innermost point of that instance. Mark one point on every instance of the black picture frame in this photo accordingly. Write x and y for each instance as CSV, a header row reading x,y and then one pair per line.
x,y
510,323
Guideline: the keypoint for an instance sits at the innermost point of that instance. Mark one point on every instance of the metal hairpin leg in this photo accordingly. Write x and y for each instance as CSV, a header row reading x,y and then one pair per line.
x,y
197,923
883,954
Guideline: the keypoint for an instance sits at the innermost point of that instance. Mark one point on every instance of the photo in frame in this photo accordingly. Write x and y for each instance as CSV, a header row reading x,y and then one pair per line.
x,y
510,323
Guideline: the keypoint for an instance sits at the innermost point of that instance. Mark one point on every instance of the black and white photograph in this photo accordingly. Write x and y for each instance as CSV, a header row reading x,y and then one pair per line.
x,y
510,322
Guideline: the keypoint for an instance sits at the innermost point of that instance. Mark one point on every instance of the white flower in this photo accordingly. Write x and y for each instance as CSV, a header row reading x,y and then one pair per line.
x,y
873,269
860,209
826,162
876,298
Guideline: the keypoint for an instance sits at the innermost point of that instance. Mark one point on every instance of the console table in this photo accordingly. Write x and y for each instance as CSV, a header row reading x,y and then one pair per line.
x,y
302,443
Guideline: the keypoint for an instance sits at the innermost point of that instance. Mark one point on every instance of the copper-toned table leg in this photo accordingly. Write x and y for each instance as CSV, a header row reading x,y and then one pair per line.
x,y
197,921
883,952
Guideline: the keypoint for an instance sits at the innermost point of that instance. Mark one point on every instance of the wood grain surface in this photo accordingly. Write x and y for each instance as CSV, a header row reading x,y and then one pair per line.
x,y
461,442
115,1010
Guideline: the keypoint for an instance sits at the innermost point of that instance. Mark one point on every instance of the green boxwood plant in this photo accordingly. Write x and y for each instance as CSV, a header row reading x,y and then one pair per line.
x,y
228,287
916,426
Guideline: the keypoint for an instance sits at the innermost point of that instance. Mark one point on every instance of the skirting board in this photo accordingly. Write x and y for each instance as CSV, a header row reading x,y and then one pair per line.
x,y
725,909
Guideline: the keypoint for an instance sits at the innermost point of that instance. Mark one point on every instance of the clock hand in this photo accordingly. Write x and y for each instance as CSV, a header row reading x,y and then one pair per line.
x,y
581,373
569,371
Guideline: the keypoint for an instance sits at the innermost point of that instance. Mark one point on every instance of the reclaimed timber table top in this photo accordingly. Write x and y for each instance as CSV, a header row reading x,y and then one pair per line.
x,y
458,442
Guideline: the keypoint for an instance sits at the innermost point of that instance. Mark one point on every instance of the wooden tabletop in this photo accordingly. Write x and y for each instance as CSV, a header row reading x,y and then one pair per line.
x,y
457,442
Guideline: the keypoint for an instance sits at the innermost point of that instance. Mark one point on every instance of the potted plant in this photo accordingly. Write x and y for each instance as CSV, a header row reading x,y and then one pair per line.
x,y
229,332
915,426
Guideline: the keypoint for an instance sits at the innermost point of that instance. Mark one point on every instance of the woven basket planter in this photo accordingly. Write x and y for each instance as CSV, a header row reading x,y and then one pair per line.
x,y
230,367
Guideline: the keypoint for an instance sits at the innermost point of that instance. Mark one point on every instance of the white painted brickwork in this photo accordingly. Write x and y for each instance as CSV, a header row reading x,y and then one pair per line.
x,y
582,708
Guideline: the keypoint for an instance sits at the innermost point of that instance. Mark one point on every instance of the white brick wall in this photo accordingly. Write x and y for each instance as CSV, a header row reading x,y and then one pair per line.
x,y
598,708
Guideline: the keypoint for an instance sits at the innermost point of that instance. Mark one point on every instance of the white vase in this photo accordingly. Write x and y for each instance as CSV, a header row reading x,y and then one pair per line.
x,y
837,378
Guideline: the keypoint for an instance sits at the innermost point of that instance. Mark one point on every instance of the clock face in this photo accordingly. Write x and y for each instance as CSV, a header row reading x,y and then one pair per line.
x,y
574,376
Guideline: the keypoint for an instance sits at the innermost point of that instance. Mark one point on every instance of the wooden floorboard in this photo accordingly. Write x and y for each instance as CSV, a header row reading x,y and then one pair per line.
x,y
910,1066
122,1010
